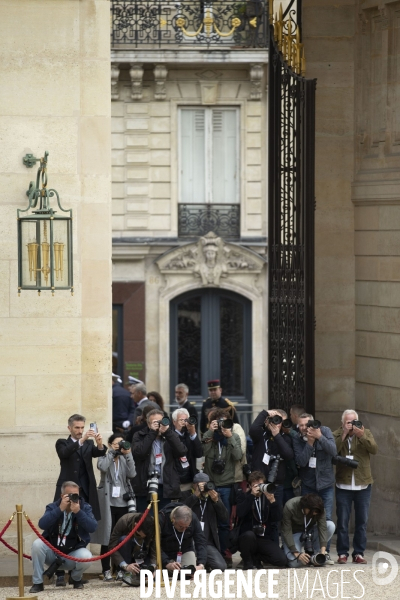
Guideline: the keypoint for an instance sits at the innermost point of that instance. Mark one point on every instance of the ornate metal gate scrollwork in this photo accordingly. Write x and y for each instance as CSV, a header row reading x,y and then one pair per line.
x,y
291,220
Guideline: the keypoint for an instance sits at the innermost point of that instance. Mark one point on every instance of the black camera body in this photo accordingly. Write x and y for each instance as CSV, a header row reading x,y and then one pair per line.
x,y
74,498
122,445
165,421
275,420
225,423
192,420
287,423
345,461
357,423
218,466
209,486
315,424
273,471
259,530
319,559
190,568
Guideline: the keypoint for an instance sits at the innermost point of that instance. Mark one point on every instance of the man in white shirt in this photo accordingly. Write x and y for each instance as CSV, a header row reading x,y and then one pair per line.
x,y
353,486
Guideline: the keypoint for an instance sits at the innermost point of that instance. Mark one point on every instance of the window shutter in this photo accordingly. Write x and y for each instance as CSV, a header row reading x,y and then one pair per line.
x,y
224,156
192,176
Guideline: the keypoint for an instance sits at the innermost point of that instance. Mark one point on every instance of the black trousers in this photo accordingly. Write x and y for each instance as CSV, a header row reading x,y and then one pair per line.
x,y
116,513
255,549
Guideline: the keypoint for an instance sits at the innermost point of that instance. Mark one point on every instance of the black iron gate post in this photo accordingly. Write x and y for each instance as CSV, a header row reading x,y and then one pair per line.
x,y
291,221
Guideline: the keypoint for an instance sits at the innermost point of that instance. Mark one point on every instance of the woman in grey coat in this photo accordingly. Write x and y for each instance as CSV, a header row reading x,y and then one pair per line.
x,y
117,468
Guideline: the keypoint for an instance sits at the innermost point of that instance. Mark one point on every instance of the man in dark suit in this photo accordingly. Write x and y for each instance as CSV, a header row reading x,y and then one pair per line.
x,y
181,397
76,454
215,400
123,408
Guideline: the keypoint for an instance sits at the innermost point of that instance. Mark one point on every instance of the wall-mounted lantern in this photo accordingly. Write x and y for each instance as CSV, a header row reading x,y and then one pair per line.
x,y
44,240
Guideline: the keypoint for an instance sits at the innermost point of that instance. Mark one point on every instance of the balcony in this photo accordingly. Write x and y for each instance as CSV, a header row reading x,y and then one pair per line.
x,y
188,23
198,219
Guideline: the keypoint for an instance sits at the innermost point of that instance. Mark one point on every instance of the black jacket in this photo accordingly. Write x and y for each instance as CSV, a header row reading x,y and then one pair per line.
x,y
248,514
214,513
281,444
195,450
210,403
70,455
193,539
142,445
123,407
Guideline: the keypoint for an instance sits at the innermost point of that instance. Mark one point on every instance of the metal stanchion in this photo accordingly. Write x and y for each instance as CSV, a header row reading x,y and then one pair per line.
x,y
20,559
155,501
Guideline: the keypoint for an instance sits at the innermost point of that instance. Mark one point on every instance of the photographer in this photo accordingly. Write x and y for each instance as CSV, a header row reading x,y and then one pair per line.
x,y
67,524
210,511
314,448
139,552
181,397
304,522
115,493
222,451
186,430
353,486
155,449
182,540
214,401
257,512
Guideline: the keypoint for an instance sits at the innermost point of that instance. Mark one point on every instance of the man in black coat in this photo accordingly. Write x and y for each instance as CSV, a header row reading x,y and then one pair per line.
x,y
258,512
210,511
182,539
123,408
76,454
155,448
215,400
181,397
186,465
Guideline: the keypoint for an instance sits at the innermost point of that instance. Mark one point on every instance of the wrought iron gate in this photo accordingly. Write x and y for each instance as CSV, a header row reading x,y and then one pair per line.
x,y
291,222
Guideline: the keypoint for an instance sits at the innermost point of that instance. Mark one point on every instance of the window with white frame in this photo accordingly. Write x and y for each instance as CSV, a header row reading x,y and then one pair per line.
x,y
209,155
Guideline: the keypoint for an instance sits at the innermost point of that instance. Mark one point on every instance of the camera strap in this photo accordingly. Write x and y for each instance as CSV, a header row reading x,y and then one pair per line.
x,y
179,542
202,509
219,451
62,535
116,467
257,502
306,524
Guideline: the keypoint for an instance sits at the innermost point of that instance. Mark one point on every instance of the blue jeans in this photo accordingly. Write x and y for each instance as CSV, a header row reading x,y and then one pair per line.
x,y
42,555
327,497
344,500
223,528
293,562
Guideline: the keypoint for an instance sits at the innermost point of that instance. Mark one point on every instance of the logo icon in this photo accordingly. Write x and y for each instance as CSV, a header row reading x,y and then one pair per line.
x,y
384,568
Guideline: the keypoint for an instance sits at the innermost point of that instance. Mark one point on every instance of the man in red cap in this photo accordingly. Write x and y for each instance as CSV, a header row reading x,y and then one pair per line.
x,y
215,400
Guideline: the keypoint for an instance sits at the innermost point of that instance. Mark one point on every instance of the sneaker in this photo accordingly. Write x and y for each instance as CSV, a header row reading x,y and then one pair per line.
x,y
328,560
131,580
107,576
60,581
37,587
120,575
359,559
342,560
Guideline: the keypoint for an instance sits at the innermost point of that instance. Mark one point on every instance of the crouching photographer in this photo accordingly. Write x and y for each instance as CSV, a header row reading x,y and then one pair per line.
x,y
304,525
138,553
67,524
257,511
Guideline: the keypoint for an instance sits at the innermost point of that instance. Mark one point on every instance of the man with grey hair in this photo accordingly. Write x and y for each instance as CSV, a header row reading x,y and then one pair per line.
x,y
182,539
186,465
67,525
181,397
353,486
140,399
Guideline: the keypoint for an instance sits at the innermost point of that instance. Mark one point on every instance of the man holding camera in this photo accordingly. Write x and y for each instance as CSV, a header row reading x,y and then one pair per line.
x,y
304,524
185,427
314,449
182,540
67,525
353,485
215,400
76,454
222,451
257,511
138,553
155,449
211,512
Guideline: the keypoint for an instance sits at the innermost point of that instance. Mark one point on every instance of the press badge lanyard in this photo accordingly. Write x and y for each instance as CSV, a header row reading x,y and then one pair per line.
x,y
267,456
257,502
179,555
305,523
139,561
349,444
116,489
62,536
202,509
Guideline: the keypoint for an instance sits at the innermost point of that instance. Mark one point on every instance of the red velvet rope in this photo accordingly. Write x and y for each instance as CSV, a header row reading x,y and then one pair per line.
x,y
7,525
94,558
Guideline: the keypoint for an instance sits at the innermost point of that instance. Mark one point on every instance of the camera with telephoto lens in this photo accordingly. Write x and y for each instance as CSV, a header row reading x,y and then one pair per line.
x,y
74,498
345,461
191,420
152,482
275,419
218,466
287,423
190,568
225,423
356,423
319,559
267,487
130,499
315,424
53,567
122,445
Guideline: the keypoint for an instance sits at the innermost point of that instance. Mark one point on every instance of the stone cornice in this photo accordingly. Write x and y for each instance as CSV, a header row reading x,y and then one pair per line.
x,y
190,56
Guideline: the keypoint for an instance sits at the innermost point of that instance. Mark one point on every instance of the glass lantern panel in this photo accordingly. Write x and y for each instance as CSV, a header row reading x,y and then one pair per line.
x,y
60,253
29,253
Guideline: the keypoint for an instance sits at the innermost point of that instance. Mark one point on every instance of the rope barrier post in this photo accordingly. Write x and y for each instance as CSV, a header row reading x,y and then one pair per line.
x,y
20,559
155,501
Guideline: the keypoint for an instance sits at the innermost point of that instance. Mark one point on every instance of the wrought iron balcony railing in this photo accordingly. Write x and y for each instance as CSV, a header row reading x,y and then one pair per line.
x,y
199,219
189,22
